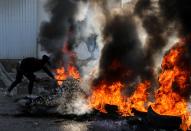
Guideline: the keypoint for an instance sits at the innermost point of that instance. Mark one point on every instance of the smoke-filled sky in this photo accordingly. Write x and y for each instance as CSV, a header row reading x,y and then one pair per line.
x,y
118,31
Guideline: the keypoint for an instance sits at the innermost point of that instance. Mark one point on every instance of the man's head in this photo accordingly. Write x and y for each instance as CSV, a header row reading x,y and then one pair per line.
x,y
46,59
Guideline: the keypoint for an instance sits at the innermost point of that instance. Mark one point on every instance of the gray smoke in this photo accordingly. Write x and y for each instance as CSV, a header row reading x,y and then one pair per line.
x,y
61,14
157,21
60,29
74,99
155,27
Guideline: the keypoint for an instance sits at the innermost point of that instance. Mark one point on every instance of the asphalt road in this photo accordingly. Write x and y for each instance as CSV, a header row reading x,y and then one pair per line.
x,y
9,121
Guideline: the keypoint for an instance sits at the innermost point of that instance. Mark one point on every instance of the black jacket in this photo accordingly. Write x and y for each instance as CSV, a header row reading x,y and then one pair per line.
x,y
31,65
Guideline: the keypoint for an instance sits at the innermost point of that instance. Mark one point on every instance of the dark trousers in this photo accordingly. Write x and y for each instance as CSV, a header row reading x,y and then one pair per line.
x,y
19,77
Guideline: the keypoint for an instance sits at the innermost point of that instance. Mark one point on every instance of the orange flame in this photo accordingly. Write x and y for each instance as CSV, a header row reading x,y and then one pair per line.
x,y
112,94
139,98
62,75
170,98
174,81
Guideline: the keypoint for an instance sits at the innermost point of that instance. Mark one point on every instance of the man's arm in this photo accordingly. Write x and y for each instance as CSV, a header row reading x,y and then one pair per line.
x,y
48,72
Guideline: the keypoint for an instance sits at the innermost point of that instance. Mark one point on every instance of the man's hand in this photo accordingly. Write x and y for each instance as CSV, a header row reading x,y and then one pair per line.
x,y
48,72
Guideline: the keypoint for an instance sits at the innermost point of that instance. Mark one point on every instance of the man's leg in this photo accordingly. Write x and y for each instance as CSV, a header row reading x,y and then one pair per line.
x,y
31,78
30,86
19,77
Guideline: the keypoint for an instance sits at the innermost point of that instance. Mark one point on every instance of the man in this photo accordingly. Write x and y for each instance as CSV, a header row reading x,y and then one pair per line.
x,y
27,67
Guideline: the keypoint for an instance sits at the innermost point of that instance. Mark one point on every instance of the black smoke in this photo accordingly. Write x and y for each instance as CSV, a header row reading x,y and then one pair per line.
x,y
60,29
141,6
123,58
154,26
177,11
61,14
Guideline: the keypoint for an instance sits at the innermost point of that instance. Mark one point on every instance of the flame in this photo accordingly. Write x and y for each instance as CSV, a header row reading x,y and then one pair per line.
x,y
139,98
170,98
174,81
62,75
112,94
